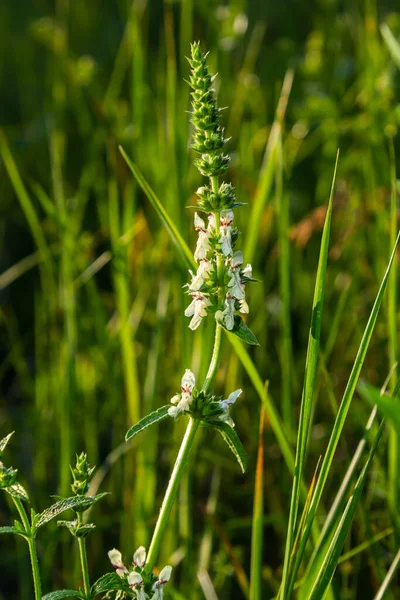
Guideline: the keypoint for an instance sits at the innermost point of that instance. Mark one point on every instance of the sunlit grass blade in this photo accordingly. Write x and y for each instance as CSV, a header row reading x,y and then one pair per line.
x,y
387,581
258,514
341,417
286,351
26,204
308,388
392,44
268,170
271,410
331,557
336,510
392,324
162,213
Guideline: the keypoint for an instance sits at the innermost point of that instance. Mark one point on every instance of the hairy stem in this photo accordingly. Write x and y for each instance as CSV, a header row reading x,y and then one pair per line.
x,y
84,562
215,359
172,489
32,548
182,459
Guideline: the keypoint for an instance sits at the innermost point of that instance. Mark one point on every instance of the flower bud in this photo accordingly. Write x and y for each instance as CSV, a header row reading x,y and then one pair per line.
x,y
81,474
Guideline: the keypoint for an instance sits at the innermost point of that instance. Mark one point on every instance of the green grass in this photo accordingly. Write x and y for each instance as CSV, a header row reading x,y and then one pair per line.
x,y
95,247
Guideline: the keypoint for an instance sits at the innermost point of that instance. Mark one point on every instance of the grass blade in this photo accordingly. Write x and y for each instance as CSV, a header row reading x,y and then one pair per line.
x,y
394,440
332,555
386,582
267,171
341,416
258,514
26,205
308,387
392,44
162,213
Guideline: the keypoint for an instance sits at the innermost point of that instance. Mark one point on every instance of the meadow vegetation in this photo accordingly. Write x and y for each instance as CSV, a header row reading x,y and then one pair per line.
x,y
98,182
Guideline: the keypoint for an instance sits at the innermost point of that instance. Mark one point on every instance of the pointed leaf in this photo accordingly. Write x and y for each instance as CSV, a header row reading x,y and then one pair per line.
x,y
167,221
108,582
243,332
59,594
4,442
150,419
12,529
75,502
17,491
232,439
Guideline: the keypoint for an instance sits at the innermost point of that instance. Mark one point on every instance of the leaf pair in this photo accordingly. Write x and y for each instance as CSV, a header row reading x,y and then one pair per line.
x,y
229,435
106,583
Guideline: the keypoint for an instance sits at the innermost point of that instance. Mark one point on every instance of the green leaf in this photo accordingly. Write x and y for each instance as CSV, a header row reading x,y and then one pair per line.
x,y
150,419
165,218
4,442
306,409
389,407
63,594
17,491
243,332
232,439
392,44
12,529
108,582
75,502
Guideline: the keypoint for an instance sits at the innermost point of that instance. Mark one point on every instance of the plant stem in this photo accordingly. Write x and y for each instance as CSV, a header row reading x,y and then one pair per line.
x,y
170,494
84,563
182,458
32,548
215,359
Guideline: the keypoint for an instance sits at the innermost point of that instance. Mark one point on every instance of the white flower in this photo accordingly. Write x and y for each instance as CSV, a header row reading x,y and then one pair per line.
x,y
135,579
163,578
188,381
229,313
236,288
247,271
244,307
139,558
165,575
182,401
202,274
226,220
116,560
197,309
225,404
203,243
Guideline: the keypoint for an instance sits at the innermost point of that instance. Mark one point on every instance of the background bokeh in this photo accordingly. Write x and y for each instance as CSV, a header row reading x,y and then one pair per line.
x,y
92,332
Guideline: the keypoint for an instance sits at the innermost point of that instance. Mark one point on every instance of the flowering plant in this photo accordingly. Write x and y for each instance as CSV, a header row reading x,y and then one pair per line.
x,y
217,288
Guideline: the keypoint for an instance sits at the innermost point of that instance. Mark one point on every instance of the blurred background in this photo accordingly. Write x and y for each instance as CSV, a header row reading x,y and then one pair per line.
x,y
92,331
